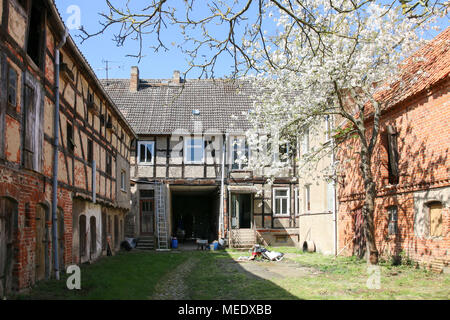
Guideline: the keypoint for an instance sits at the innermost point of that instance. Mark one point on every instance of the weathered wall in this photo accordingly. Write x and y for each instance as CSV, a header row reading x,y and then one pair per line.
x,y
423,140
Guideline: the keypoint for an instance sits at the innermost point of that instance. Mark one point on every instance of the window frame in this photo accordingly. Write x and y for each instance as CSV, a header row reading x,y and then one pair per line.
x,y
145,142
287,197
8,85
123,176
189,145
241,147
391,221
296,201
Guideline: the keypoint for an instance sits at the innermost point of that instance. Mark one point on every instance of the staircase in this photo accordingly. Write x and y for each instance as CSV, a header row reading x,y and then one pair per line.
x,y
162,234
243,239
146,243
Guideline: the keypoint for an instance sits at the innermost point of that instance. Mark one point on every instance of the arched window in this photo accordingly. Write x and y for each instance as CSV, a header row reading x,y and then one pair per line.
x,y
436,226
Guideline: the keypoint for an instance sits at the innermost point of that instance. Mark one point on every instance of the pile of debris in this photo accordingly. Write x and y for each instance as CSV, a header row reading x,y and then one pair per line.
x,y
259,253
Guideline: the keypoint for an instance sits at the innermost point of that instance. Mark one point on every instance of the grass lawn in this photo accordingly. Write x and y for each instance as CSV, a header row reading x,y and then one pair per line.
x,y
217,276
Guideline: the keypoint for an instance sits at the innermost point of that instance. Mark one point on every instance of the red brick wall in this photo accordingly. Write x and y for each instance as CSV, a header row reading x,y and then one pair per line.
x,y
423,130
28,188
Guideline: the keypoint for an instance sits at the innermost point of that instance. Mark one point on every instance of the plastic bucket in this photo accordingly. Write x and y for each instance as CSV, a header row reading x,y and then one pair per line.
x,y
174,243
216,246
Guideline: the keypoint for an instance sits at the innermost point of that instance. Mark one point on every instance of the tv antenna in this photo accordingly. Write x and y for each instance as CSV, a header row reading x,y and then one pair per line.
x,y
108,67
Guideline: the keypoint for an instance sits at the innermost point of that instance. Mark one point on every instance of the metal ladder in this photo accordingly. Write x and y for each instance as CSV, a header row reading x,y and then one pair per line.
x,y
161,219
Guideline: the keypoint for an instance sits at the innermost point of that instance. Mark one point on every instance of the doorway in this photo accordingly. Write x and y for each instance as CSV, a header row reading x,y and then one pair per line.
x,y
241,211
93,229
147,216
8,229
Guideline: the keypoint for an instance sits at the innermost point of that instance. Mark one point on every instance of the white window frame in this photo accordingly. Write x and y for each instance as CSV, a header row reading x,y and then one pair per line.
x,y
288,197
152,150
296,201
187,145
241,148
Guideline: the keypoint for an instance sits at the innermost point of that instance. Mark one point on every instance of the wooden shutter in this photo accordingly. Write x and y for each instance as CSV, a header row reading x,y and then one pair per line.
x,y
29,127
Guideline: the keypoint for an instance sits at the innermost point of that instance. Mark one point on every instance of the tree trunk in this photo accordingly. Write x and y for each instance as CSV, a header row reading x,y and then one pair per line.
x,y
369,207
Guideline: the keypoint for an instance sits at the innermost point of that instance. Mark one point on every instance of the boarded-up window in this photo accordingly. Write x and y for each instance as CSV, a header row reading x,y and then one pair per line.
x,y
436,225
29,128
392,155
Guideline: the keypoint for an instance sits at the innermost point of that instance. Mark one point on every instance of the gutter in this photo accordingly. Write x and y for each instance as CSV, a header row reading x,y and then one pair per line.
x,y
55,157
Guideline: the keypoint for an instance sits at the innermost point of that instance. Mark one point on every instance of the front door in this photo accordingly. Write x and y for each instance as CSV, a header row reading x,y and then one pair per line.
x,y
147,217
241,215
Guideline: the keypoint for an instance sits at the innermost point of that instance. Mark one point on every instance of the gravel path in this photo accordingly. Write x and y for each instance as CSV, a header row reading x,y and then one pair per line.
x,y
172,286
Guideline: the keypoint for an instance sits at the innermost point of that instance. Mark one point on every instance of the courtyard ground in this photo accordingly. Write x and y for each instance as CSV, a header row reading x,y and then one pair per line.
x,y
219,275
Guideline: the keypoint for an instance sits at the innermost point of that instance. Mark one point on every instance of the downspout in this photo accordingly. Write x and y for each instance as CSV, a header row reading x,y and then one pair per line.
x,y
333,160
55,158
222,188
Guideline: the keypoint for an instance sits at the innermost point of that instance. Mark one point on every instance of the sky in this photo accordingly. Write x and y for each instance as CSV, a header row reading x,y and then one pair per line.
x,y
158,65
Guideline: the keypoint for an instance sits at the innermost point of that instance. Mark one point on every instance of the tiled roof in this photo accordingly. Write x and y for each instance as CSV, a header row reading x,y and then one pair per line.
x,y
423,69
161,107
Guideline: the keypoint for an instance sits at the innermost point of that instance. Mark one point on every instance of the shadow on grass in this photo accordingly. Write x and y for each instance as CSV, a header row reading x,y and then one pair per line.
x,y
135,275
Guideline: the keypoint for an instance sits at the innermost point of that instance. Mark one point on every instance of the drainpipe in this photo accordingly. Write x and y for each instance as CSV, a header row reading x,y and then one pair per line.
x,y
222,187
333,160
55,158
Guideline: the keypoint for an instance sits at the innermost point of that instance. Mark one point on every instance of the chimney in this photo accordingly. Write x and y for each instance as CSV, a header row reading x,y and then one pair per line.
x,y
176,77
134,79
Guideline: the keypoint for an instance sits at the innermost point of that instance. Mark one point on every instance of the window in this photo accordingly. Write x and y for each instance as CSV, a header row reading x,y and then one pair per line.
x,y
70,142
123,176
305,142
393,220
36,33
328,128
307,198
283,152
194,150
12,86
239,153
281,201
435,218
146,150
330,196
392,155
108,164
90,151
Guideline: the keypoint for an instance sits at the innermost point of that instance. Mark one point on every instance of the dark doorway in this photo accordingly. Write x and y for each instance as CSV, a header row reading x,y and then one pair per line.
x,y
195,214
116,232
241,211
82,231
147,216
8,229
93,229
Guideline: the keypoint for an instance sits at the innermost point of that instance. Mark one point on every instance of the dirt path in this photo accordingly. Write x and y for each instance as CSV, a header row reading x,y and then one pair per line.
x,y
172,286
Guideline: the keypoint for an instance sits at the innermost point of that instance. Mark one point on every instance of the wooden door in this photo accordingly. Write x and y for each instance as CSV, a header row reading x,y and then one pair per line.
x,y
40,243
147,217
436,219
359,242
8,213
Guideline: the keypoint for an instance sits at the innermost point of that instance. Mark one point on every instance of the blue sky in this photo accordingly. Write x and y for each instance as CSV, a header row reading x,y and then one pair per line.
x,y
153,65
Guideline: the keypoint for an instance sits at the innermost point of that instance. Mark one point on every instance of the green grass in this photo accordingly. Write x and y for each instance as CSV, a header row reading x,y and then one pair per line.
x,y
125,276
217,276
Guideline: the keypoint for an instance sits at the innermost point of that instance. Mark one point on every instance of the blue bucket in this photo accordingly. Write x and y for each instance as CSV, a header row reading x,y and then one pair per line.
x,y
174,243
216,246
